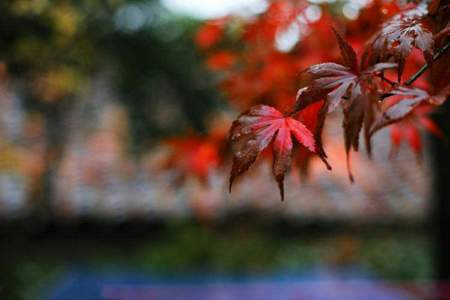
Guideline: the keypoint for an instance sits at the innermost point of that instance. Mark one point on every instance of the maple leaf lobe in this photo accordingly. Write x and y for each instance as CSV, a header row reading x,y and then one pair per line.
x,y
255,129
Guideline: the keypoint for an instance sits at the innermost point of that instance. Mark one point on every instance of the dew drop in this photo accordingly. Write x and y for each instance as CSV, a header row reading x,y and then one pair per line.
x,y
246,130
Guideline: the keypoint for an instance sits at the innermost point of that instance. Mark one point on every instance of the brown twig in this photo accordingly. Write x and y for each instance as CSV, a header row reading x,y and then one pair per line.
x,y
422,70
388,81
426,66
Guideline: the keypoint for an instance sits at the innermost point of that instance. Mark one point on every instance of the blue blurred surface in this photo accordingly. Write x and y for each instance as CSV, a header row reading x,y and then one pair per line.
x,y
320,284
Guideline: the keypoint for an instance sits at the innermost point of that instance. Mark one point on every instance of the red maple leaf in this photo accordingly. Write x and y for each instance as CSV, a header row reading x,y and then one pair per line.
x,y
255,129
443,34
337,83
408,129
340,82
312,118
404,101
407,110
397,38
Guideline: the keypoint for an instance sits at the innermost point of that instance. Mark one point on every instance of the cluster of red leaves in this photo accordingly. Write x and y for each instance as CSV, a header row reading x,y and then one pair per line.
x,y
192,155
399,35
254,72
360,92
195,155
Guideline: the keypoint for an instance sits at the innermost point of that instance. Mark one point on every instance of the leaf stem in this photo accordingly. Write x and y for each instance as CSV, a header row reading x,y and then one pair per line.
x,y
426,66
388,81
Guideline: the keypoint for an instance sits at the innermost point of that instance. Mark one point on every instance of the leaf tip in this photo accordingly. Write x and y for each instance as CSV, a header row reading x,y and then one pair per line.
x,y
349,169
230,184
280,181
369,147
281,188
350,176
325,161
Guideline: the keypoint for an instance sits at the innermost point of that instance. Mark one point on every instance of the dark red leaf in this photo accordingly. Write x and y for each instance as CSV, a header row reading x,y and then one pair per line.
x,y
433,6
254,130
407,129
371,107
441,35
313,117
318,134
347,53
305,98
398,36
411,98
337,80
354,114
338,83
408,100
379,68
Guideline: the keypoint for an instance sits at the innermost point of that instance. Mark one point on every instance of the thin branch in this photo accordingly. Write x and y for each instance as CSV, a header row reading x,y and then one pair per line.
x,y
421,70
388,81
385,95
410,81
426,66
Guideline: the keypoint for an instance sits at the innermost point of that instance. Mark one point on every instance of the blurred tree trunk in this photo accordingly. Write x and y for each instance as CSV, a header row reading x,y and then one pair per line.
x,y
43,195
441,212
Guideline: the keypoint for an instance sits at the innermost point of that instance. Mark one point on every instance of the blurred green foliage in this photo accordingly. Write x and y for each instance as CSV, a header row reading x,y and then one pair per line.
x,y
54,49
29,264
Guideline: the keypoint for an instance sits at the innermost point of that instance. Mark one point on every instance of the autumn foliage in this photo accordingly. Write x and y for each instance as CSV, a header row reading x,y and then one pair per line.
x,y
293,64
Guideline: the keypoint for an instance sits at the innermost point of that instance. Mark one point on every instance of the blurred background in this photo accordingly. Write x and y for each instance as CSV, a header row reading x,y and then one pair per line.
x,y
114,159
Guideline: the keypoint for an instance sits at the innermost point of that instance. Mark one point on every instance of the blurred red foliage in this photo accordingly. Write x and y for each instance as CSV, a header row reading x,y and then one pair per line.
x,y
259,60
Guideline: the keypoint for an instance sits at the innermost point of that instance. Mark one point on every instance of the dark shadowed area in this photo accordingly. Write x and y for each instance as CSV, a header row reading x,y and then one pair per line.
x,y
115,160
